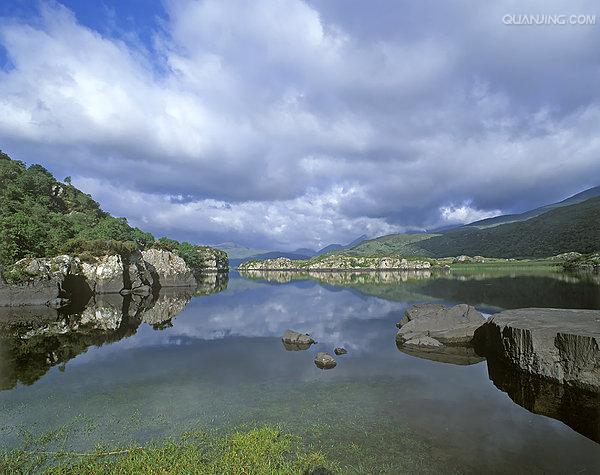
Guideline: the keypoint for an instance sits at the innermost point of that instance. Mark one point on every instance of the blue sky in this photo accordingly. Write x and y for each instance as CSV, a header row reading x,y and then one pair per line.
x,y
288,123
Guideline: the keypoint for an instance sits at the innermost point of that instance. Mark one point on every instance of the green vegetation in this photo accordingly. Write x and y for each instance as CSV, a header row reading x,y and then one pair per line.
x,y
575,227
569,228
41,217
391,245
585,263
263,450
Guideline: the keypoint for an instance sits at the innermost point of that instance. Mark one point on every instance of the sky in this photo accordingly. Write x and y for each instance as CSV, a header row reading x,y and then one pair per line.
x,y
283,124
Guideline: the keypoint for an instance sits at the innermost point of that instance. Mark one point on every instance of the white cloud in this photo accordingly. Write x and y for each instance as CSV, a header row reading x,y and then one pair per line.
x,y
453,214
285,123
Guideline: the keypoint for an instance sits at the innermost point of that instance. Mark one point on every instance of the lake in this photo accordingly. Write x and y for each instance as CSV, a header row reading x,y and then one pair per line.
x,y
122,370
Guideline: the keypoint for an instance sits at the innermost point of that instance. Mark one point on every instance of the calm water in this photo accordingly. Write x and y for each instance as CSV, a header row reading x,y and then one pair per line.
x,y
123,371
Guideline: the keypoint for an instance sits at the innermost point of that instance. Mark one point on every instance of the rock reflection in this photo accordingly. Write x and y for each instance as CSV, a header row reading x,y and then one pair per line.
x,y
579,409
34,339
457,355
338,278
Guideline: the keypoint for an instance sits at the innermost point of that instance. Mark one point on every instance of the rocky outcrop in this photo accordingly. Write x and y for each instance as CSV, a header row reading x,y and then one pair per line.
x,y
212,260
340,351
434,325
105,274
42,281
325,360
296,341
168,268
337,263
55,281
560,345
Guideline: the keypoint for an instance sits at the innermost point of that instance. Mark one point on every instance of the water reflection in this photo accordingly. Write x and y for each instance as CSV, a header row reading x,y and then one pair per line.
x,y
34,339
579,409
458,355
499,289
221,359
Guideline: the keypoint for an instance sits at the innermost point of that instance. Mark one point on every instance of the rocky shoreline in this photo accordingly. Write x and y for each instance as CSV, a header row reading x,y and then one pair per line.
x,y
58,281
558,345
336,263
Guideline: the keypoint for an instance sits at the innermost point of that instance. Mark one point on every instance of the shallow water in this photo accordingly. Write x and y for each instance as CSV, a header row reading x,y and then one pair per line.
x,y
134,371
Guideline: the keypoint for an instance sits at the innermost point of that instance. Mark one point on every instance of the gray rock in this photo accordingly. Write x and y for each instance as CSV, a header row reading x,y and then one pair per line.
x,y
295,341
340,351
425,341
168,269
325,361
561,345
450,326
105,275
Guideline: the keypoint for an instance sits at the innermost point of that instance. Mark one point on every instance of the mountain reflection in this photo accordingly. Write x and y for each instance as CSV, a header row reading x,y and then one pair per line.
x,y
498,289
34,339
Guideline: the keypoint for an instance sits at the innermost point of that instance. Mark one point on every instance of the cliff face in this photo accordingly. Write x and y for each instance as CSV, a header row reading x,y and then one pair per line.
x,y
561,345
337,262
54,281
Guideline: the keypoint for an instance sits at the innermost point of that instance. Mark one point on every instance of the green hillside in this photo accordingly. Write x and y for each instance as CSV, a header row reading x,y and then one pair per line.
x,y
393,244
568,228
512,218
41,217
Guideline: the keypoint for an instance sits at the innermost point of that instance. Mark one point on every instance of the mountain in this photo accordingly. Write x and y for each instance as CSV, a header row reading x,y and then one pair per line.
x,y
339,247
404,244
569,225
565,228
237,251
512,218
238,254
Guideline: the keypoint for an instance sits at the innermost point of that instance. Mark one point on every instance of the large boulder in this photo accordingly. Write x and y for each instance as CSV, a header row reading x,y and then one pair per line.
x,y
561,345
168,269
429,325
105,274
212,260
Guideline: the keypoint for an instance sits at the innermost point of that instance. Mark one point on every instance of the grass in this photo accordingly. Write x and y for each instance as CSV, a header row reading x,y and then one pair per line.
x,y
263,450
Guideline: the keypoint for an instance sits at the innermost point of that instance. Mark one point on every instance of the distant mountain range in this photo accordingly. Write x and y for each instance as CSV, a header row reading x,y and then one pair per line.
x,y
569,225
238,253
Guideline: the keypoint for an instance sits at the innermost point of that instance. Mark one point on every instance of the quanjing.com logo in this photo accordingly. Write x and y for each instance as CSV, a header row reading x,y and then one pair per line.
x,y
546,19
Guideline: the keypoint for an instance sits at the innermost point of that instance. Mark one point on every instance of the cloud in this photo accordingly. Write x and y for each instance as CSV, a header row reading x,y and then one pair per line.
x,y
289,123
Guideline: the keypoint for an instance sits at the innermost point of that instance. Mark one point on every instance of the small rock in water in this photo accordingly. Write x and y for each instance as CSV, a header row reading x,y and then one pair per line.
x,y
340,351
294,341
325,360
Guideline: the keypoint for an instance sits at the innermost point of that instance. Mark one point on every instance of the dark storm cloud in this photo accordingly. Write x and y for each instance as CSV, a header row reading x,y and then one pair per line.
x,y
284,123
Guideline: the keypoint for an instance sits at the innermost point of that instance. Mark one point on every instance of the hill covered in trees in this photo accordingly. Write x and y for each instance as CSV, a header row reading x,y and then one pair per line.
x,y
42,217
564,228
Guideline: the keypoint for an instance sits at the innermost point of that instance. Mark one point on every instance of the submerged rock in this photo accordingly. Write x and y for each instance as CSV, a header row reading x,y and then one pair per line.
x,y
295,341
561,345
340,351
435,324
325,361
